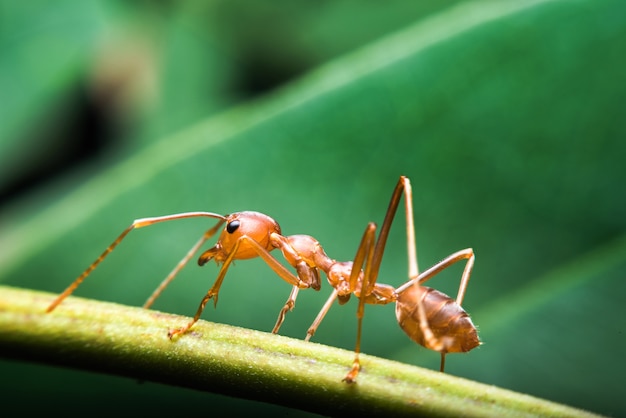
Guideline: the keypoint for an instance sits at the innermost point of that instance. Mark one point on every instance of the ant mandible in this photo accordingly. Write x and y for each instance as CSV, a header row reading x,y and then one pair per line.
x,y
427,316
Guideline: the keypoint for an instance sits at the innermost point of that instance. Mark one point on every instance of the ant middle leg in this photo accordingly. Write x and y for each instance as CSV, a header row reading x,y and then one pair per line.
x,y
370,291
364,254
347,278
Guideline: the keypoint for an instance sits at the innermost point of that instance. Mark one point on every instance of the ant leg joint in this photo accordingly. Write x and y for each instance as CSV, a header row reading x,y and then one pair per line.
x,y
309,334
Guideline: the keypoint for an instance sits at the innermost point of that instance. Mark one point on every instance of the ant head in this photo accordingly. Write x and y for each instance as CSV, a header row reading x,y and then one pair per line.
x,y
254,226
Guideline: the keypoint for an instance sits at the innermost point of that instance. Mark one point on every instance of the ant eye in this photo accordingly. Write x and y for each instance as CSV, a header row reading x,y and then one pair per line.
x,y
232,226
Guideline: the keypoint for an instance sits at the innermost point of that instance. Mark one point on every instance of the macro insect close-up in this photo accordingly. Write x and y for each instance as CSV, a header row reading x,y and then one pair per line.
x,y
272,145
428,317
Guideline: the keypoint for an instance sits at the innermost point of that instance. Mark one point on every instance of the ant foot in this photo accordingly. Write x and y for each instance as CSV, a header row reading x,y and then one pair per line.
x,y
352,374
177,331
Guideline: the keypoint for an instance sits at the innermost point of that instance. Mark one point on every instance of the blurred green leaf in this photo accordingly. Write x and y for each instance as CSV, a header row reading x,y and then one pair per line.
x,y
42,52
507,116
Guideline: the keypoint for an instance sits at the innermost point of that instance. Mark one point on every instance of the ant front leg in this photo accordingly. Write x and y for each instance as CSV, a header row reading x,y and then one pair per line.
x,y
250,244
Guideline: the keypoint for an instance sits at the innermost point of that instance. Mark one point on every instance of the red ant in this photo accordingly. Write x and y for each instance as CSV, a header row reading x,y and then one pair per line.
x,y
429,317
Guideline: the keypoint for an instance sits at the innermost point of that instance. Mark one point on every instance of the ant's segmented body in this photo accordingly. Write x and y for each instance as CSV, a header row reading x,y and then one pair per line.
x,y
427,316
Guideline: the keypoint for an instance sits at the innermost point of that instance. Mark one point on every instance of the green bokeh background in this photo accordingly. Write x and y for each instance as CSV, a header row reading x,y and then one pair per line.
x,y
509,117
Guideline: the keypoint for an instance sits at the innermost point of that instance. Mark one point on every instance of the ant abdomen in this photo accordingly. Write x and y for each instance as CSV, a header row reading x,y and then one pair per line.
x,y
447,327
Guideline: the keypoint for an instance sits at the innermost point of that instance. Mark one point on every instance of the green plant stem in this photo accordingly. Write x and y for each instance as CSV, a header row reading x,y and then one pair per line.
x,y
132,342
